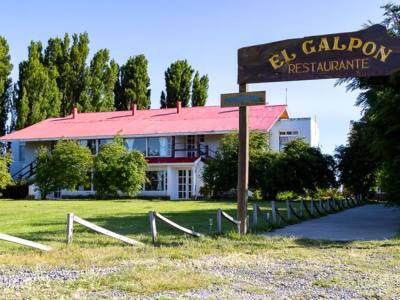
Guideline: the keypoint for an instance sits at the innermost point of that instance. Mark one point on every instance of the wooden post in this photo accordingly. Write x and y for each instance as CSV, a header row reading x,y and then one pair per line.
x,y
301,208
153,226
243,164
312,207
320,206
219,220
255,214
273,210
289,213
70,227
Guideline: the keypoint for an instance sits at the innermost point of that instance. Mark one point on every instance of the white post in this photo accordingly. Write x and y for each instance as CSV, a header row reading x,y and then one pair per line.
x,y
320,206
70,227
273,208
153,226
255,214
289,213
219,220
312,207
301,208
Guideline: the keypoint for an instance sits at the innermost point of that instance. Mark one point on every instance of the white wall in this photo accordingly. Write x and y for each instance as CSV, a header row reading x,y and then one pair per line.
x,y
307,127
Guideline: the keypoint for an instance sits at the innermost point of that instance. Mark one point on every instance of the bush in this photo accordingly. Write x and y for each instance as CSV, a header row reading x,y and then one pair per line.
x,y
66,167
118,170
5,176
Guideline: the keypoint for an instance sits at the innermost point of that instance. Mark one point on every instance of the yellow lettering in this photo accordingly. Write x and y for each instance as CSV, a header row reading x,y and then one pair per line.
x,y
275,61
306,49
286,56
336,44
371,46
323,45
382,54
354,43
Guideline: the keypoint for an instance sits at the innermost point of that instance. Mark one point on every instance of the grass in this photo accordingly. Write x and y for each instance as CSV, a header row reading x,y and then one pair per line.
x,y
177,262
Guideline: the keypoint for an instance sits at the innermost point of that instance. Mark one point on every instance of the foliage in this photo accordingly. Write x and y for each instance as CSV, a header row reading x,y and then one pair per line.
x,y
163,100
178,78
380,98
67,166
117,169
5,85
133,84
38,95
5,176
199,90
100,80
288,195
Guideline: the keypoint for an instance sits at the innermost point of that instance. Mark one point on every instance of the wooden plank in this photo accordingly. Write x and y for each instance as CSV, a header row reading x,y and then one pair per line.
x,y
176,226
243,99
70,227
288,211
255,214
243,164
106,232
23,242
153,226
273,209
219,220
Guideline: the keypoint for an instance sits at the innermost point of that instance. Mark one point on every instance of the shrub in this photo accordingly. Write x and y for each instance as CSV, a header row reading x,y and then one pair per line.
x,y
117,169
5,176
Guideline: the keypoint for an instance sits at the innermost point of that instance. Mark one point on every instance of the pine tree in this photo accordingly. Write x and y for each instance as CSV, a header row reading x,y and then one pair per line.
x,y
5,84
178,78
163,100
99,82
199,90
38,95
133,84
70,63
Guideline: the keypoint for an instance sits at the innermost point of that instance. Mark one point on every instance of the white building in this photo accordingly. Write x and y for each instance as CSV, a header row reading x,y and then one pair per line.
x,y
176,142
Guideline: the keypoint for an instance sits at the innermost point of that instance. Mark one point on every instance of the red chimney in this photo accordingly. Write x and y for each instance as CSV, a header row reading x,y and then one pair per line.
x,y
134,108
178,106
74,112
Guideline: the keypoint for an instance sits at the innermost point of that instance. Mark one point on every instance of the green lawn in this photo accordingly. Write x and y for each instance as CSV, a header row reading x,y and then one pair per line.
x,y
178,262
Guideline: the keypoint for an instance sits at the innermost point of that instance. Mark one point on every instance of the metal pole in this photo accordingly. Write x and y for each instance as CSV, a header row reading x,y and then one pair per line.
x,y
243,164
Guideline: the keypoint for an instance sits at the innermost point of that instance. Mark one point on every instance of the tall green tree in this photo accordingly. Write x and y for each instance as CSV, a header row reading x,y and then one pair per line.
x,y
178,78
199,89
163,100
38,94
70,62
99,81
5,84
133,84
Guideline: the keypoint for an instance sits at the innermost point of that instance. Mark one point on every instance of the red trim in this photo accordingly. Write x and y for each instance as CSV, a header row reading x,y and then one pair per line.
x,y
170,160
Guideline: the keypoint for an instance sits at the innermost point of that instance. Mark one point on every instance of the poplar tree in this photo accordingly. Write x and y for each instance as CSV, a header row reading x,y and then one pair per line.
x,y
5,84
70,62
199,90
163,100
38,95
178,78
99,81
133,84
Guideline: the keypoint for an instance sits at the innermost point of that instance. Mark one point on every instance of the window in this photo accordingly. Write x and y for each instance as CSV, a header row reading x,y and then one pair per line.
x,y
21,151
157,181
91,144
286,137
139,144
104,141
159,146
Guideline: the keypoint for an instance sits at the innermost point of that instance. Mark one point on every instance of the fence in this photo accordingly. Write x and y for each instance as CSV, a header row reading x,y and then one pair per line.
x,y
19,241
220,215
153,215
71,218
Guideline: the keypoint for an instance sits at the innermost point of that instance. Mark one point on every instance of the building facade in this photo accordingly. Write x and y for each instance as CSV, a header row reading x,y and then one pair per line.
x,y
176,142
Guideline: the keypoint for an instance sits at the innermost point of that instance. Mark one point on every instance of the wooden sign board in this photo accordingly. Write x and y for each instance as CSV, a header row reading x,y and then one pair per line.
x,y
364,53
243,99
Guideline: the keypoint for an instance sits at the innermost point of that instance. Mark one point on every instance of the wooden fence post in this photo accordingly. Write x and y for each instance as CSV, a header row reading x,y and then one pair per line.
x,y
320,205
301,208
70,227
273,208
288,211
312,207
255,214
153,226
219,220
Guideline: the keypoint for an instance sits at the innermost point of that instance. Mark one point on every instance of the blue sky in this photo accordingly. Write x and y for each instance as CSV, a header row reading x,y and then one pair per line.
x,y
208,34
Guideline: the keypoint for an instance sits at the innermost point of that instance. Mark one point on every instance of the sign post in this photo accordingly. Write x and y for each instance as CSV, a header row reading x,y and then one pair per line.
x,y
243,99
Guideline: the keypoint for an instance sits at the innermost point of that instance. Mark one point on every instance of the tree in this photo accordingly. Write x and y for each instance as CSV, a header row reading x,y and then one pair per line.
x,y
99,82
5,176
38,95
118,170
67,166
70,63
199,90
178,78
133,84
5,85
163,100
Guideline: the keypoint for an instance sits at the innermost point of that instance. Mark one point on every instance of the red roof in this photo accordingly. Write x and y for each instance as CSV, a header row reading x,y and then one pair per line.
x,y
207,119
170,160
